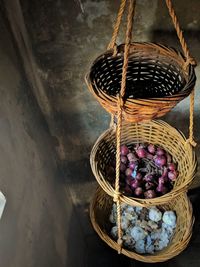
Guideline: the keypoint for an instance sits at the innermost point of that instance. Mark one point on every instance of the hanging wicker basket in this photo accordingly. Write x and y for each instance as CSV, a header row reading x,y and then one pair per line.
x,y
156,132
155,81
99,213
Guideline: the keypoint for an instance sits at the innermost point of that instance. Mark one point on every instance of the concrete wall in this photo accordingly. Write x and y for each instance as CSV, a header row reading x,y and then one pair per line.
x,y
36,225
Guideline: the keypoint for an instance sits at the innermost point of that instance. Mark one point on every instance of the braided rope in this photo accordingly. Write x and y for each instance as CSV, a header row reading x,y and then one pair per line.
x,y
189,59
191,127
120,104
117,24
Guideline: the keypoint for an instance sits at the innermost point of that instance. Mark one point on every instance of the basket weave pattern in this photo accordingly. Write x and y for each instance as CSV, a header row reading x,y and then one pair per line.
x,y
155,132
155,81
99,213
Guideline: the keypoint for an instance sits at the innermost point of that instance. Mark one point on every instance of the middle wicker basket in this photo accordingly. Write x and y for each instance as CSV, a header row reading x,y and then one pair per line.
x,y
156,132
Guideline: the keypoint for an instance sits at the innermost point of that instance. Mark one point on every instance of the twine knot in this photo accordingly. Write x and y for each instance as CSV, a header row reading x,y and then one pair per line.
x,y
116,196
119,242
191,142
190,60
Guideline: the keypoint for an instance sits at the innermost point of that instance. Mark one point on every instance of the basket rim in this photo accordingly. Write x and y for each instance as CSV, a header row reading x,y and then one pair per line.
x,y
179,189
144,258
172,52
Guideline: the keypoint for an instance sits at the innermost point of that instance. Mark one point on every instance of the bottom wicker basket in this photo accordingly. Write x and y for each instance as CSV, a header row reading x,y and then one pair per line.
x,y
99,214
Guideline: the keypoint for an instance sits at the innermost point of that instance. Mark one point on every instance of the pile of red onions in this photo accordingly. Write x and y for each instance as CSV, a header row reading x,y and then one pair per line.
x,y
146,171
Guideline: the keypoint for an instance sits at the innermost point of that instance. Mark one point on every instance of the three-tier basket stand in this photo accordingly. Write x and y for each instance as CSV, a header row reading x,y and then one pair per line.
x,y
136,83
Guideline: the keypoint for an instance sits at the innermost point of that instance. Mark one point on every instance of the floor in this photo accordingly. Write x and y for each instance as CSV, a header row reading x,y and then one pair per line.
x,y
45,172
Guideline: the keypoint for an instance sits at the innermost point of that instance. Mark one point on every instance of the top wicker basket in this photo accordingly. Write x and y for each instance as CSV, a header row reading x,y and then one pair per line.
x,y
156,80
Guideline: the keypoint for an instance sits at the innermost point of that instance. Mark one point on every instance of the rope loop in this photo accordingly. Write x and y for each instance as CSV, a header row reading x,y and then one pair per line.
x,y
190,60
119,242
116,196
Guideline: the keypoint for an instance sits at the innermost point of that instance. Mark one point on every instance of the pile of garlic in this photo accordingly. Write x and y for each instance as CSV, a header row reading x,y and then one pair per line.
x,y
145,230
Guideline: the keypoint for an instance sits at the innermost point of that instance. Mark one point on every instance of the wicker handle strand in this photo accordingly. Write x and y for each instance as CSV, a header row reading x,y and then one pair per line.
x,y
117,24
119,115
189,59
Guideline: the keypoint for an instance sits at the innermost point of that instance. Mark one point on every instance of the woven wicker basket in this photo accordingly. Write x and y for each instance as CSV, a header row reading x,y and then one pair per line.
x,y
155,132
99,213
156,80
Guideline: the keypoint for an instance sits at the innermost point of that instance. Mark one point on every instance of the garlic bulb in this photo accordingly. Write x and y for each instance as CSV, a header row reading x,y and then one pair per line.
x,y
169,218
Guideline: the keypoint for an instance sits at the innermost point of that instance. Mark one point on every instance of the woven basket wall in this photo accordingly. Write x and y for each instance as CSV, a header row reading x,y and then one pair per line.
x,y
99,213
155,132
156,80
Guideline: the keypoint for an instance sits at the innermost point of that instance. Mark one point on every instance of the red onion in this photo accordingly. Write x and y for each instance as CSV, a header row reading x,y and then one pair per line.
x,y
128,172
132,165
149,156
135,183
172,175
138,191
129,180
124,159
138,176
148,178
127,190
161,180
124,150
169,158
160,151
150,194
141,152
151,148
172,166
131,157
162,189
160,160
149,185
122,167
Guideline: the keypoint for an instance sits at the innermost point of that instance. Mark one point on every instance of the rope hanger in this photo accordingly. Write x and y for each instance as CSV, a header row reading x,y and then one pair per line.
x,y
120,103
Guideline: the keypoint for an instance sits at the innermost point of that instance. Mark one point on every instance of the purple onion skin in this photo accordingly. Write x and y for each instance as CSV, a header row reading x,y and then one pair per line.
x,y
162,189
169,158
135,183
131,157
149,156
138,176
127,190
160,151
151,148
172,175
124,159
160,161
129,180
150,194
172,167
161,180
122,167
148,178
138,191
128,172
149,185
124,150
132,165
141,152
